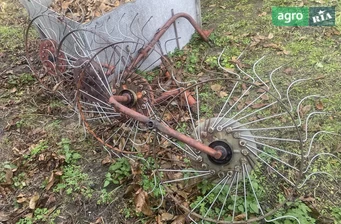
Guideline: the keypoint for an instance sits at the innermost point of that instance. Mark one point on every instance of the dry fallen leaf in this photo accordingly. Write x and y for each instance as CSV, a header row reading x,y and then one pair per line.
x,y
9,176
258,105
4,217
33,201
307,199
107,160
141,202
264,97
262,14
180,220
167,216
98,221
50,181
223,94
21,199
240,217
270,36
216,87
319,105
85,10
304,110
274,46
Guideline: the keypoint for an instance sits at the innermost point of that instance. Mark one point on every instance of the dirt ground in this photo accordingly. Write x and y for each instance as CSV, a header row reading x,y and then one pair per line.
x,y
51,171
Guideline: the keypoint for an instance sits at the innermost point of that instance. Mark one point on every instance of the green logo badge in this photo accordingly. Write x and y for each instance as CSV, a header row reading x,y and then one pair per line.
x,y
322,16
290,16
303,16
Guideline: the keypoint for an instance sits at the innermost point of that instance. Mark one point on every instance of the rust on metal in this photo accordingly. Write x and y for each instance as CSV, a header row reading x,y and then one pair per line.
x,y
48,57
145,51
164,129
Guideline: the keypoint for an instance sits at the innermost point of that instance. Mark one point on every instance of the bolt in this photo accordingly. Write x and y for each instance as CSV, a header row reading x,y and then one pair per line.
x,y
236,135
211,129
237,168
243,160
145,99
143,106
140,86
199,159
129,80
204,166
221,174
117,85
219,128
242,143
228,130
135,83
245,152
230,173
144,93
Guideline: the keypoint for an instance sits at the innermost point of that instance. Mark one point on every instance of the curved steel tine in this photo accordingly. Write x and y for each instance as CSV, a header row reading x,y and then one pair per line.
x,y
306,123
144,26
285,217
319,155
167,41
313,174
255,72
220,66
119,30
299,106
289,88
272,83
132,31
313,138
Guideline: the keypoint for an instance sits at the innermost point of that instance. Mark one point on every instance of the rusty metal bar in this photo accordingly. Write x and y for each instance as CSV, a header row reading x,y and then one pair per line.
x,y
164,129
144,52
125,98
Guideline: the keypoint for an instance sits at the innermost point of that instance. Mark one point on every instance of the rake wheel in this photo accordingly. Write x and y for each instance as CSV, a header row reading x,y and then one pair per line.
x,y
98,82
42,40
257,155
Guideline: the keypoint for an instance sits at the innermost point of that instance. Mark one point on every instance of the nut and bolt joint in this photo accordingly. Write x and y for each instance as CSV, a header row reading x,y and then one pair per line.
x,y
236,135
245,152
221,174
242,143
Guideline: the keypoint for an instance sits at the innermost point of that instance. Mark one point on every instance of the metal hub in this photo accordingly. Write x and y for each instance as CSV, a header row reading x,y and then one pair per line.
x,y
48,57
139,91
235,150
225,149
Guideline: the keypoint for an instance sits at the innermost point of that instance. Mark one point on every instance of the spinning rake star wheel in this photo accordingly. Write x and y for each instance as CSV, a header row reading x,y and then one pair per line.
x,y
119,72
42,38
111,73
236,154
260,147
